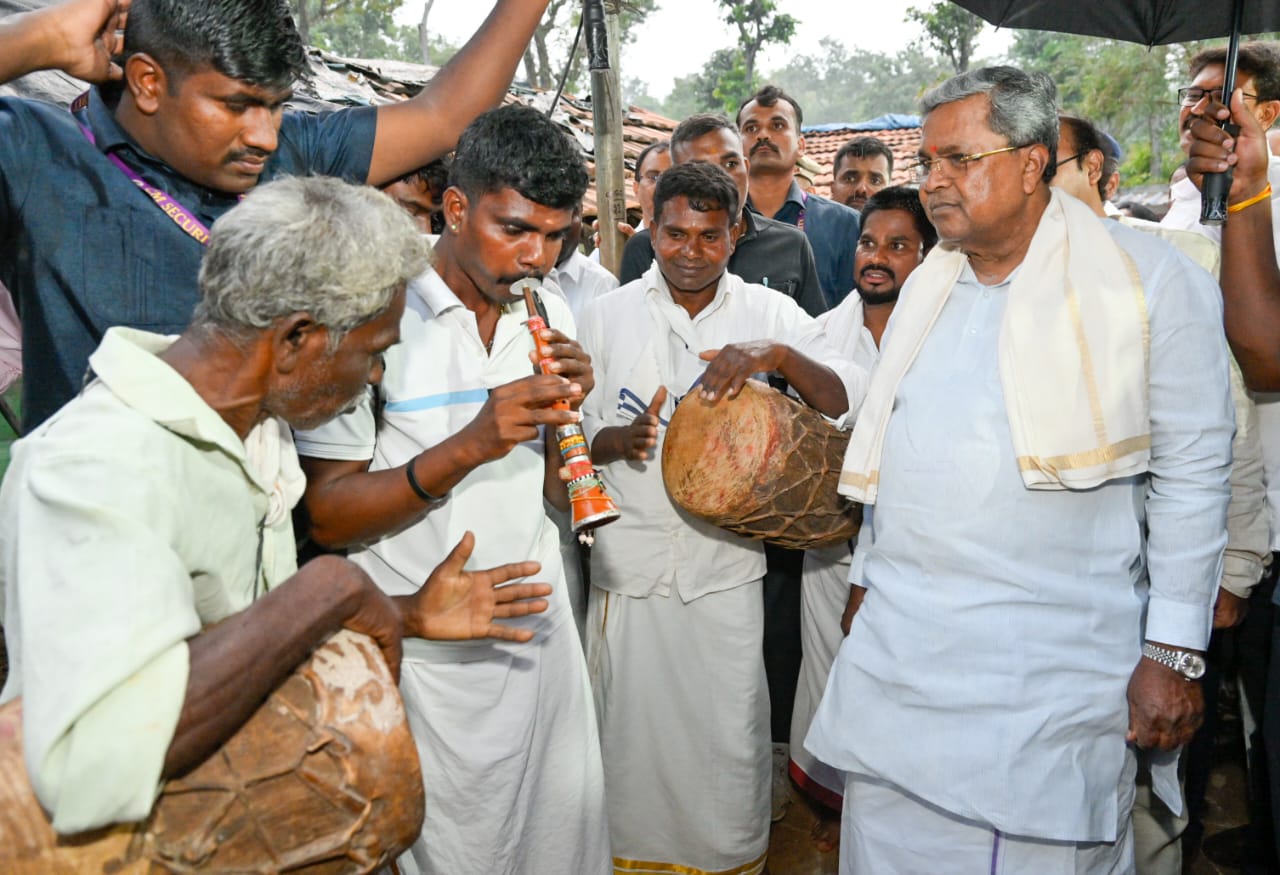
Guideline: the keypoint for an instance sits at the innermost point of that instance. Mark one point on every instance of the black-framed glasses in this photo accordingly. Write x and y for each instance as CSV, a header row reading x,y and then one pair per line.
x,y
1058,164
950,165
1191,95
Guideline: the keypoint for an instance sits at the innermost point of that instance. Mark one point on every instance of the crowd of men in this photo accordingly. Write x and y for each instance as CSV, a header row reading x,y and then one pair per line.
x,y
1068,467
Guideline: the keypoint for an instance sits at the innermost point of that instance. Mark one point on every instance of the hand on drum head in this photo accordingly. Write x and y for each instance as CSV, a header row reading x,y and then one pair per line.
x,y
570,361
458,605
733,365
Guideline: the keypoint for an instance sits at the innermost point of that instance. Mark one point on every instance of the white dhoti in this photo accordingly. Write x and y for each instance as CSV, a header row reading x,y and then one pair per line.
x,y
887,831
823,596
684,727
510,762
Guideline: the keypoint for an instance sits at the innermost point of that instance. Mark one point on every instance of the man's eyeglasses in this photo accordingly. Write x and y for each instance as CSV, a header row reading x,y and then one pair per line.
x,y
1058,164
950,165
1191,95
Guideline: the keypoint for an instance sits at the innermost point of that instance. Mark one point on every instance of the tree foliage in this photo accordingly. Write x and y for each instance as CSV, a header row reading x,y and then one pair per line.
x,y
356,28
1124,88
838,85
950,31
758,24
548,51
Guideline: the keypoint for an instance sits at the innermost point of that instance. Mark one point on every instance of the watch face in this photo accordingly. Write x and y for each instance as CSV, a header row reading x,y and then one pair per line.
x,y
1191,666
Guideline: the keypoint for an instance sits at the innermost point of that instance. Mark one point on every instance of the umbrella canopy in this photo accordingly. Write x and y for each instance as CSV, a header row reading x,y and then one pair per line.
x,y
1149,22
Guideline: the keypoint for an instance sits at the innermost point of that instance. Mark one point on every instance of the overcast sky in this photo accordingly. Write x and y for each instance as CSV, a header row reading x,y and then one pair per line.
x,y
679,37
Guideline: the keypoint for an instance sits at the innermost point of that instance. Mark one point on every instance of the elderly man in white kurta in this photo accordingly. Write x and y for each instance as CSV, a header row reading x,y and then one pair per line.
x,y
151,596
1045,447
675,625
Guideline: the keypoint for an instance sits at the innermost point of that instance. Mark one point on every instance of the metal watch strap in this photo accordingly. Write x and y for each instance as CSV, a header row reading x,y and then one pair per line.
x,y
1167,656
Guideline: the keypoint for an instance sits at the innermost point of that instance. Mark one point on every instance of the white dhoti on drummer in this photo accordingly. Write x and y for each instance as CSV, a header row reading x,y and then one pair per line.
x,y
674,628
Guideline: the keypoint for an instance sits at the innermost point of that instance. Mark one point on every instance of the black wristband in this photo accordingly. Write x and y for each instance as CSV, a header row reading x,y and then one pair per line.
x,y
417,487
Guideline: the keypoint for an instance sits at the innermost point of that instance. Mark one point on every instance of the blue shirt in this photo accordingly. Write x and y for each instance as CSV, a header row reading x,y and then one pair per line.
x,y
986,669
83,249
833,230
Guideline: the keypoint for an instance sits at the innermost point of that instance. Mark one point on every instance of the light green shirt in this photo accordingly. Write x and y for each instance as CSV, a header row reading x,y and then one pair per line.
x,y
128,521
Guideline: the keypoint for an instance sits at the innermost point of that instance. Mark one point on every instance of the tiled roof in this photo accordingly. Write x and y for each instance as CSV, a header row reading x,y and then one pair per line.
x,y
353,81
821,147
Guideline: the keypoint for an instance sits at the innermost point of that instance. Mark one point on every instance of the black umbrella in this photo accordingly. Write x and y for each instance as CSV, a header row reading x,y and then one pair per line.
x,y
1151,23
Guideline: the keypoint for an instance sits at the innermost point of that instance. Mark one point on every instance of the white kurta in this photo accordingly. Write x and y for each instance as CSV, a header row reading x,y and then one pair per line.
x,y
128,521
986,669
505,732
676,623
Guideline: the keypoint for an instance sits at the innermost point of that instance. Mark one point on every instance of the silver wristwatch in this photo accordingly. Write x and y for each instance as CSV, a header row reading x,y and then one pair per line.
x,y
1184,662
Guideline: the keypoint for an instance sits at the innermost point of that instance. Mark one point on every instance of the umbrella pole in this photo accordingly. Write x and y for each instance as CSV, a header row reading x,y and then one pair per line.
x,y
1217,186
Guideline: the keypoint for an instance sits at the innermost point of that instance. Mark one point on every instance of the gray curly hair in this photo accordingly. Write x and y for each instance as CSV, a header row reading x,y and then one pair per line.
x,y
308,244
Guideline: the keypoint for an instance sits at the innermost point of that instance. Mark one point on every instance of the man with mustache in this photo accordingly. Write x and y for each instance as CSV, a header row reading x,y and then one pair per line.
x,y
769,122
1043,456
676,619
896,236
105,209
461,437
151,595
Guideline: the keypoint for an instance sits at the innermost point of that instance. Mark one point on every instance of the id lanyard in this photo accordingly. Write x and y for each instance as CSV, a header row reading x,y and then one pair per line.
x,y
181,216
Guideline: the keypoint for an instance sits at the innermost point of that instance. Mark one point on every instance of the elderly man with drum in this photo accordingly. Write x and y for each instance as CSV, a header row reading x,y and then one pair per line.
x,y
675,625
1044,454
151,595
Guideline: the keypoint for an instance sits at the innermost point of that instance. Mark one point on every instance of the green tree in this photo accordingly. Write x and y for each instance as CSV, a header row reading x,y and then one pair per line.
x,y
355,28
1124,88
701,91
548,51
835,84
951,31
758,23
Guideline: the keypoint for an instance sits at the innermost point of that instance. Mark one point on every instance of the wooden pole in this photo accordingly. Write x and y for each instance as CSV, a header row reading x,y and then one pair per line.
x,y
606,109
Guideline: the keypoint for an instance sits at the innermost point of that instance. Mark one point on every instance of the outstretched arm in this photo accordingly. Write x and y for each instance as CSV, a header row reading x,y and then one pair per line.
x,y
817,384
79,37
418,131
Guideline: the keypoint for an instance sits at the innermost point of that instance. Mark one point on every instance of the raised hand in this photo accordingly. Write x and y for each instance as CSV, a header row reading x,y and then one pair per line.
x,y
458,605
642,434
82,37
1213,150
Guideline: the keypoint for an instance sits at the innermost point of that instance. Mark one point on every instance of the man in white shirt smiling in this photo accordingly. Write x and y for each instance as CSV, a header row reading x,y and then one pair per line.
x,y
676,620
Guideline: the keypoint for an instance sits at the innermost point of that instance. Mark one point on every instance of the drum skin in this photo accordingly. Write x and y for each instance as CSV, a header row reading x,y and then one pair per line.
x,y
762,465
323,778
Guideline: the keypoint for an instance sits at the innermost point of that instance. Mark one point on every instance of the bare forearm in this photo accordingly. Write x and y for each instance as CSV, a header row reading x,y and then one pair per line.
x,y
1251,295
23,45
236,664
817,384
362,506
420,130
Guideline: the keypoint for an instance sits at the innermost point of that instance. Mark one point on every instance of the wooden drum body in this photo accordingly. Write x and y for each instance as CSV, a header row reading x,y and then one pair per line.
x,y
762,465
323,778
